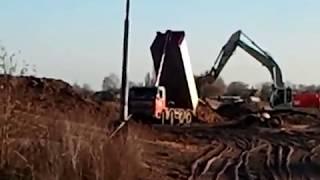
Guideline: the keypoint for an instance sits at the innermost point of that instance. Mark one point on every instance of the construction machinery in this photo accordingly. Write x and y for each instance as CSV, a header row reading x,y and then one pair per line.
x,y
306,100
282,97
173,97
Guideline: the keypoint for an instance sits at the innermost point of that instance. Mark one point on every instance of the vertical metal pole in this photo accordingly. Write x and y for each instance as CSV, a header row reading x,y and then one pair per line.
x,y
124,83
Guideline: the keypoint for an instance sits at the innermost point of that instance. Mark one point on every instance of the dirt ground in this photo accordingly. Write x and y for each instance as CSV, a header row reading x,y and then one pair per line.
x,y
232,153
37,108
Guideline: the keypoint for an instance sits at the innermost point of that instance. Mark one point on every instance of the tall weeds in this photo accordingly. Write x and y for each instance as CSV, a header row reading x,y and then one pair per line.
x,y
70,154
38,148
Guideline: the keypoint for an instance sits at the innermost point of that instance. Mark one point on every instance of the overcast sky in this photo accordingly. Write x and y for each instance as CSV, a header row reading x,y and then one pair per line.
x,y
81,41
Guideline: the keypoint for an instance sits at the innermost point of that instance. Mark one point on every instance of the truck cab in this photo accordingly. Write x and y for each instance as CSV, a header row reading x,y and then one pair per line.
x,y
147,101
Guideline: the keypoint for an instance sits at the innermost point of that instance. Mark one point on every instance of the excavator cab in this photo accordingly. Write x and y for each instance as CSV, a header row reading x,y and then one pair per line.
x,y
281,97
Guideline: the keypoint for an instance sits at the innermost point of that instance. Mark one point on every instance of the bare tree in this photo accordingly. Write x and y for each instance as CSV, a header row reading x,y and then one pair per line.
x,y
212,88
237,88
148,80
311,88
9,64
265,91
132,83
76,86
308,88
110,82
208,86
86,87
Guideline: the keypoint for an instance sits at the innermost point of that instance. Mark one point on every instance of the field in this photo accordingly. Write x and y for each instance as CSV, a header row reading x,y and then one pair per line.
x,y
50,131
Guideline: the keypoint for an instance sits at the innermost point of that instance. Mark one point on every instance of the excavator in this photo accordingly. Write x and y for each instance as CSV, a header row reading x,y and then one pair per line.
x,y
281,95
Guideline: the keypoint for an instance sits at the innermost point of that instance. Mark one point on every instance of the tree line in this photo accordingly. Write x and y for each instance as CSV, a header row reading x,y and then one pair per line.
x,y
207,87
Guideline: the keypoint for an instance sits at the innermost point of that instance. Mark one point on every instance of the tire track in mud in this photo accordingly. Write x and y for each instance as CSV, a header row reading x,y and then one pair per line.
x,y
281,153
277,161
290,151
241,160
307,158
241,143
226,163
268,164
208,158
244,161
284,155
238,164
300,142
214,158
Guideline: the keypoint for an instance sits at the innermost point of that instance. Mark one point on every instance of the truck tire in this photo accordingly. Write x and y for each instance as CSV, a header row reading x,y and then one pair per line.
x,y
163,117
189,118
182,117
171,117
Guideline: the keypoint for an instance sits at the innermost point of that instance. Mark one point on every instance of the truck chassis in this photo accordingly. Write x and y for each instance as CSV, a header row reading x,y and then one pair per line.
x,y
176,116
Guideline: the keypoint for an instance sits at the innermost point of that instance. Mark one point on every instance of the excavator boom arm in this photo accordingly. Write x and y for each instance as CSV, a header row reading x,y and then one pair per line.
x,y
266,60
225,54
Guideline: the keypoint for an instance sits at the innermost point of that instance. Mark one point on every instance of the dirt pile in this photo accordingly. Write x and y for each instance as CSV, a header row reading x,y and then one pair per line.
x,y
207,114
54,98
48,130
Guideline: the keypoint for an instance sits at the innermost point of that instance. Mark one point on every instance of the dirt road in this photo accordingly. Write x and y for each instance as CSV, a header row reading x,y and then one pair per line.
x,y
231,153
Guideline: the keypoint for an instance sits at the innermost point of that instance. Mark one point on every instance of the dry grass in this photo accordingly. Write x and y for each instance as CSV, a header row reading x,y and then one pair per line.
x,y
37,147
67,151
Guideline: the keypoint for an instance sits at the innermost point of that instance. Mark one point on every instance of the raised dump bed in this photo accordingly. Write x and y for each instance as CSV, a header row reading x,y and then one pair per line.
x,y
173,68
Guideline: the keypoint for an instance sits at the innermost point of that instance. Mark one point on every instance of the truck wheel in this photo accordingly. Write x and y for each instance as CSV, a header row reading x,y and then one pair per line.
x,y
163,117
189,118
171,117
182,117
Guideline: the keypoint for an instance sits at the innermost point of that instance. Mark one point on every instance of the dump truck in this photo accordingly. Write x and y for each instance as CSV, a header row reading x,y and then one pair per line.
x,y
173,97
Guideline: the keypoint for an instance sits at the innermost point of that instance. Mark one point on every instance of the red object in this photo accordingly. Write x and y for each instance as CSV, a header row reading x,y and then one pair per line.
x,y
306,99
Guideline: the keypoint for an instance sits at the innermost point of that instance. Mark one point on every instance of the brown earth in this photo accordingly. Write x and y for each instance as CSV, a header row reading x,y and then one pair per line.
x,y
59,100
51,131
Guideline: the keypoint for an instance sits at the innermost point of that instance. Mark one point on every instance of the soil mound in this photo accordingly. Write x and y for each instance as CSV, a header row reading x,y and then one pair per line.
x,y
53,98
50,129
